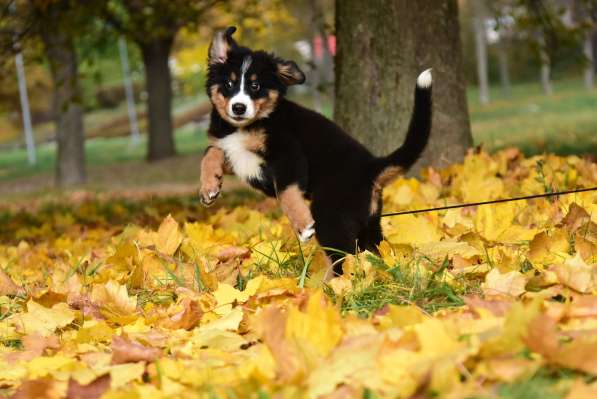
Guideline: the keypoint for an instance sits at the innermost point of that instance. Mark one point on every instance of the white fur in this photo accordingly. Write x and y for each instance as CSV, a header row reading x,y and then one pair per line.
x,y
245,164
425,79
242,97
307,233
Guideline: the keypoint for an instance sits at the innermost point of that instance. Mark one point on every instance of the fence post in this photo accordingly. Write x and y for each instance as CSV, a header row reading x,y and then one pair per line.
x,y
128,89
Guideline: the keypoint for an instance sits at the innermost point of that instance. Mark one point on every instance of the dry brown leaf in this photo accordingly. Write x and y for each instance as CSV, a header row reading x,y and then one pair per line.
x,y
93,390
127,351
185,315
575,218
7,286
43,388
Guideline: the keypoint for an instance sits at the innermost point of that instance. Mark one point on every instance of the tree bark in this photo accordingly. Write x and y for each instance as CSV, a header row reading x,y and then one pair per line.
x,y
382,47
158,82
68,110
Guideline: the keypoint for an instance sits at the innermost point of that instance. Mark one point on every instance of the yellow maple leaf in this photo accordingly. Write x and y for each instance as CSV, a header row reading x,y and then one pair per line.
x,y
42,320
168,237
410,229
576,274
114,302
511,283
317,330
122,374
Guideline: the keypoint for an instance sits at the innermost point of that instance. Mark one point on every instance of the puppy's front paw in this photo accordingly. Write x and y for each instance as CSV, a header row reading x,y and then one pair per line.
x,y
210,190
307,233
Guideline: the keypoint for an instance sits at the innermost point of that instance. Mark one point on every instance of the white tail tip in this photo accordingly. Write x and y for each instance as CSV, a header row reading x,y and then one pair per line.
x,y
425,79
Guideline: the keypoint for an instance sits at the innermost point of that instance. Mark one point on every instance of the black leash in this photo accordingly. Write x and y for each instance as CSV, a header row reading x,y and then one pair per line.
x,y
442,208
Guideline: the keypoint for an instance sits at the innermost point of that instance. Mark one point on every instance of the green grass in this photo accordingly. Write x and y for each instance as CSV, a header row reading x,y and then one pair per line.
x,y
564,123
99,152
406,284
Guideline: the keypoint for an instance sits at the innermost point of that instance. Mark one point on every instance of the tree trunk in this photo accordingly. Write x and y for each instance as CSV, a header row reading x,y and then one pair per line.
x,y
382,47
590,58
545,66
594,40
481,51
68,111
158,82
504,67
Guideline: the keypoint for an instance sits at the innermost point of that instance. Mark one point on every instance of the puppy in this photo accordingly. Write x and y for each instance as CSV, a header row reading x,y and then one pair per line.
x,y
295,154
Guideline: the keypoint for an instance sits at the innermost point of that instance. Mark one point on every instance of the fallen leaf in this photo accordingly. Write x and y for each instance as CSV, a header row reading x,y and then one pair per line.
x,y
43,388
576,274
7,286
168,236
41,320
127,351
114,302
509,284
93,390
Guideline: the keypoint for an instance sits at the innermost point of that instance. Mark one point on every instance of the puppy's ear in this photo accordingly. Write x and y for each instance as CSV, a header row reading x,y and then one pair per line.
x,y
289,73
220,45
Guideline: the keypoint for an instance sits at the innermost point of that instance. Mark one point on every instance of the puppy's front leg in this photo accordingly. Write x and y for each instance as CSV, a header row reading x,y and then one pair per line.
x,y
297,210
213,166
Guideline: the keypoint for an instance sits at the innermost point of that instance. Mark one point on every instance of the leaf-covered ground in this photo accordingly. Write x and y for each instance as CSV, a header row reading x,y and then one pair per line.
x,y
154,297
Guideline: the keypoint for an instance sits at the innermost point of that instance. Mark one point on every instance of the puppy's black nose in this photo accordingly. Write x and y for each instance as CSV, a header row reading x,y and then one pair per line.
x,y
239,108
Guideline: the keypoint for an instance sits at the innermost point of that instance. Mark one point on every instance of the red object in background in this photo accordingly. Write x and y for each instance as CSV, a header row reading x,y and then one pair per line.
x,y
318,46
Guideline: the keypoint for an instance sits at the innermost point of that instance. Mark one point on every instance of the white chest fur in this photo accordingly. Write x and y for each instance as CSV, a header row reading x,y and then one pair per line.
x,y
245,163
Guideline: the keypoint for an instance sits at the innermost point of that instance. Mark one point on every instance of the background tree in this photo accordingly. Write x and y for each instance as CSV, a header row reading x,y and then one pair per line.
x,y
382,47
67,103
480,30
56,23
153,26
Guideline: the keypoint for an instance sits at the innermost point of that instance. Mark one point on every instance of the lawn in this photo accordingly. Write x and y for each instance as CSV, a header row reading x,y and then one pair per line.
x,y
565,123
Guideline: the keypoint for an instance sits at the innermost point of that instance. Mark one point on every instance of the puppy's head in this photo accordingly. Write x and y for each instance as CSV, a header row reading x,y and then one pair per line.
x,y
245,85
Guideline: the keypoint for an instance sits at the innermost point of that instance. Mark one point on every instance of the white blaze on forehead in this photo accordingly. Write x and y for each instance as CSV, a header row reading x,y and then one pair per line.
x,y
242,97
247,61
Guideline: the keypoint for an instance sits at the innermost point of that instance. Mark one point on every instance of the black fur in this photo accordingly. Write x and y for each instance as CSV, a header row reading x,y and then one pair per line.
x,y
302,147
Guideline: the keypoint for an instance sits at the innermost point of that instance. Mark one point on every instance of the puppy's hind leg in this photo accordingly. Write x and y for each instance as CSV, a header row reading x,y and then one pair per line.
x,y
337,235
297,210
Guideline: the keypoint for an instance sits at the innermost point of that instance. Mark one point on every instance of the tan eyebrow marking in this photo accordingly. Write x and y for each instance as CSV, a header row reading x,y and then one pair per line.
x,y
232,76
253,77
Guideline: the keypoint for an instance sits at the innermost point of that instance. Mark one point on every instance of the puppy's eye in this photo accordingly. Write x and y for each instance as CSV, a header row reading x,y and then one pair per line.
x,y
229,84
254,86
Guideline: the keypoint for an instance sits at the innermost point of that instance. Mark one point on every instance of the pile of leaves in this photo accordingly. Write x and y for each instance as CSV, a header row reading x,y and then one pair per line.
x,y
113,298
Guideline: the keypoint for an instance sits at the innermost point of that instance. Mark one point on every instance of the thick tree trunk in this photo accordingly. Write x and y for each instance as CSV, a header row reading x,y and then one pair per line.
x,y
481,51
68,110
382,46
158,82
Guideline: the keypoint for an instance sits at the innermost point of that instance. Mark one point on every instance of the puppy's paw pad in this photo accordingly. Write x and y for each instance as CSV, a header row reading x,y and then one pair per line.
x,y
307,233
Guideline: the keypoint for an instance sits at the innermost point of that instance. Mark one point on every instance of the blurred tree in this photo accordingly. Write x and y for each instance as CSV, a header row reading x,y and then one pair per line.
x,y
480,31
55,23
67,107
382,47
584,14
153,26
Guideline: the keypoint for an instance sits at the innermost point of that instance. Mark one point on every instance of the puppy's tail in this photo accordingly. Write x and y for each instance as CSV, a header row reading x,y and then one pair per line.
x,y
419,127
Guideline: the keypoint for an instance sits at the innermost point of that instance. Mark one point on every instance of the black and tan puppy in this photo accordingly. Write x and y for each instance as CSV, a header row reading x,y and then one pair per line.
x,y
296,154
